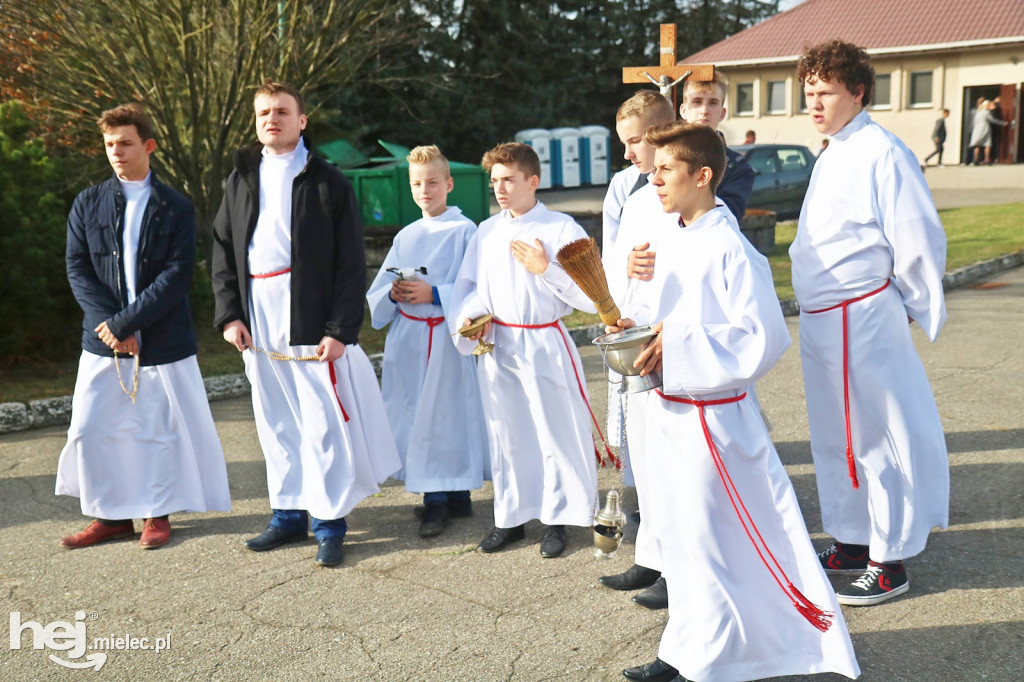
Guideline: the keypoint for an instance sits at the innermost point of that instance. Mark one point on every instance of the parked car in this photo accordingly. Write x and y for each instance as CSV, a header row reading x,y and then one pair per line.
x,y
781,175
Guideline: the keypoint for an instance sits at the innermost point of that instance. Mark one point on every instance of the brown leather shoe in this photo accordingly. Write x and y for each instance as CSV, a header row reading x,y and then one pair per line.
x,y
155,533
97,532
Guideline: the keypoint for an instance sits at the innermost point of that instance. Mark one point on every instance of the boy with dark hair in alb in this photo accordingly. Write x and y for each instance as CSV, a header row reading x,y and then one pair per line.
x,y
532,384
747,597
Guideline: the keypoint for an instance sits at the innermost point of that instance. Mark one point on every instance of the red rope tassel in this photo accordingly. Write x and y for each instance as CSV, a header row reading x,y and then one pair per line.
x,y
334,382
850,463
579,383
816,616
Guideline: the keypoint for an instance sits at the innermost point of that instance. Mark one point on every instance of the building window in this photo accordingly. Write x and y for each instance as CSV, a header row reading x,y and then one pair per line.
x,y
745,98
881,99
920,89
776,97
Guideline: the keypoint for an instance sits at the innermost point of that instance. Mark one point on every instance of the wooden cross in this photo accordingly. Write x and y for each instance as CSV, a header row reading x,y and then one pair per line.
x,y
667,75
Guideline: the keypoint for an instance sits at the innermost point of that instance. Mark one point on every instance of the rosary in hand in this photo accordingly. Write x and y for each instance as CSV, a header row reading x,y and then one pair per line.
x,y
274,355
135,378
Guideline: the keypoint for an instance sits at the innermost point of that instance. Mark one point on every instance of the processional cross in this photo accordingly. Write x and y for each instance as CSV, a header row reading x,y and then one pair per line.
x,y
667,75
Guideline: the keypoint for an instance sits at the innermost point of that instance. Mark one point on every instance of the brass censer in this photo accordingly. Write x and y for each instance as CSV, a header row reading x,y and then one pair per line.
x,y
608,526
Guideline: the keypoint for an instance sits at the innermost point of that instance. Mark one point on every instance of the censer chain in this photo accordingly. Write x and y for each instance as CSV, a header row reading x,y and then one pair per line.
x,y
620,486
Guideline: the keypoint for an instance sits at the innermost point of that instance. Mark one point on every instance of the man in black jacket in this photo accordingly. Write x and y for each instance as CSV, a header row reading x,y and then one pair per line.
x,y
289,277
142,443
704,102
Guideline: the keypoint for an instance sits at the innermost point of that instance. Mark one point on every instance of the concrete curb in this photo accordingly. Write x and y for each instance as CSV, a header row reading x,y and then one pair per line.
x,y
57,411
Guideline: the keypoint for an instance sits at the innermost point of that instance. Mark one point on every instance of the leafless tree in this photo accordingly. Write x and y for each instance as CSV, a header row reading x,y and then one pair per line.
x,y
195,63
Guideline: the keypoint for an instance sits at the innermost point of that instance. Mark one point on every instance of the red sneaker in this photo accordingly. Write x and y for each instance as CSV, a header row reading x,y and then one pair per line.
x,y
97,532
155,533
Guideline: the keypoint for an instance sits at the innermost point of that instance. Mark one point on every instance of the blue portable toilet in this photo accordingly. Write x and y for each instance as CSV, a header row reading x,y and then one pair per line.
x,y
540,140
565,157
594,162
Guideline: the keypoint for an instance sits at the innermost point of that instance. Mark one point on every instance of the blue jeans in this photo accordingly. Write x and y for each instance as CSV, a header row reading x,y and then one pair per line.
x,y
297,521
446,496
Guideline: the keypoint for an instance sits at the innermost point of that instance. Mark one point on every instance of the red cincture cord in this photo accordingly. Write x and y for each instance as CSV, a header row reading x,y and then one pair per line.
x,y
271,274
814,614
431,322
846,373
330,365
579,382
334,382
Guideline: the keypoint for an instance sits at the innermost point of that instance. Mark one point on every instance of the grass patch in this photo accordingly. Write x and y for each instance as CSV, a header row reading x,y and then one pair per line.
x,y
973,234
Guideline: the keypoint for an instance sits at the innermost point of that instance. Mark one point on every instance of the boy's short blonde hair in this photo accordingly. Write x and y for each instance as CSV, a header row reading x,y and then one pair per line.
x,y
648,106
717,81
425,155
517,154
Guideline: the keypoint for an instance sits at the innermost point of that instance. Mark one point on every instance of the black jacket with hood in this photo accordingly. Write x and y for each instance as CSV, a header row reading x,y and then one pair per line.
x,y
328,269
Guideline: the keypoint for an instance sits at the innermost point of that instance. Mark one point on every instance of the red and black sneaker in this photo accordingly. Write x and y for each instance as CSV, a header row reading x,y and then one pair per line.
x,y
877,584
840,558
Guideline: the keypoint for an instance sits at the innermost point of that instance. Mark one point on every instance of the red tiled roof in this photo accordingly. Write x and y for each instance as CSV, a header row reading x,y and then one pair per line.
x,y
876,25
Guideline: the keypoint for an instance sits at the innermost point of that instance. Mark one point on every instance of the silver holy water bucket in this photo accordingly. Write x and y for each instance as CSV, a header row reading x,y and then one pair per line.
x,y
620,350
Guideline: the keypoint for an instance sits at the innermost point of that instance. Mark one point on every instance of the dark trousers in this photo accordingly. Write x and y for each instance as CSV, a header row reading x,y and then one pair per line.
x,y
297,521
938,150
124,522
449,496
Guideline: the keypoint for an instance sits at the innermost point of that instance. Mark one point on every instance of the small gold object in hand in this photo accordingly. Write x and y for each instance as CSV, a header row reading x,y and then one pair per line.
x,y
474,327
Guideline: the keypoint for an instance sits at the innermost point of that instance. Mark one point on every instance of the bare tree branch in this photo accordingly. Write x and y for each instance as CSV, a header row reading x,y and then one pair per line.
x,y
196,64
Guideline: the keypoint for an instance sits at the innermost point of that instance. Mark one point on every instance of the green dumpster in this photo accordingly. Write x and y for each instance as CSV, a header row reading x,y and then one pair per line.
x,y
472,191
383,190
342,154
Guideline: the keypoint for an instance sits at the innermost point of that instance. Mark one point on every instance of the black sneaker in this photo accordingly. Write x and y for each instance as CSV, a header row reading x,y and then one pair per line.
x,y
435,518
838,559
877,584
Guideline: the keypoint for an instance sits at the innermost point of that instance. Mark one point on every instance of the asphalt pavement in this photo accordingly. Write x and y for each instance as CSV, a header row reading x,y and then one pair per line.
x,y
406,608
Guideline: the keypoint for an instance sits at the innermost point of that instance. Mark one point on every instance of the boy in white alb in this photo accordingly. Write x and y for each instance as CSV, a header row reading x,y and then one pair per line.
x,y
532,385
747,597
642,222
142,442
634,116
868,258
430,390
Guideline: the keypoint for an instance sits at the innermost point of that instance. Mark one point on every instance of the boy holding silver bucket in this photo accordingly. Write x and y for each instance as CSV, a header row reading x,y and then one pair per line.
x,y
747,596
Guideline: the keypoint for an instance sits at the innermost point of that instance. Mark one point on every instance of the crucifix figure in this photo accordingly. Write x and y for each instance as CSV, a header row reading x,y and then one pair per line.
x,y
667,75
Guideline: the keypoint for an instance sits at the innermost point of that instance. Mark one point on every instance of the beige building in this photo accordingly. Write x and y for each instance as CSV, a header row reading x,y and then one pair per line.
x,y
927,55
